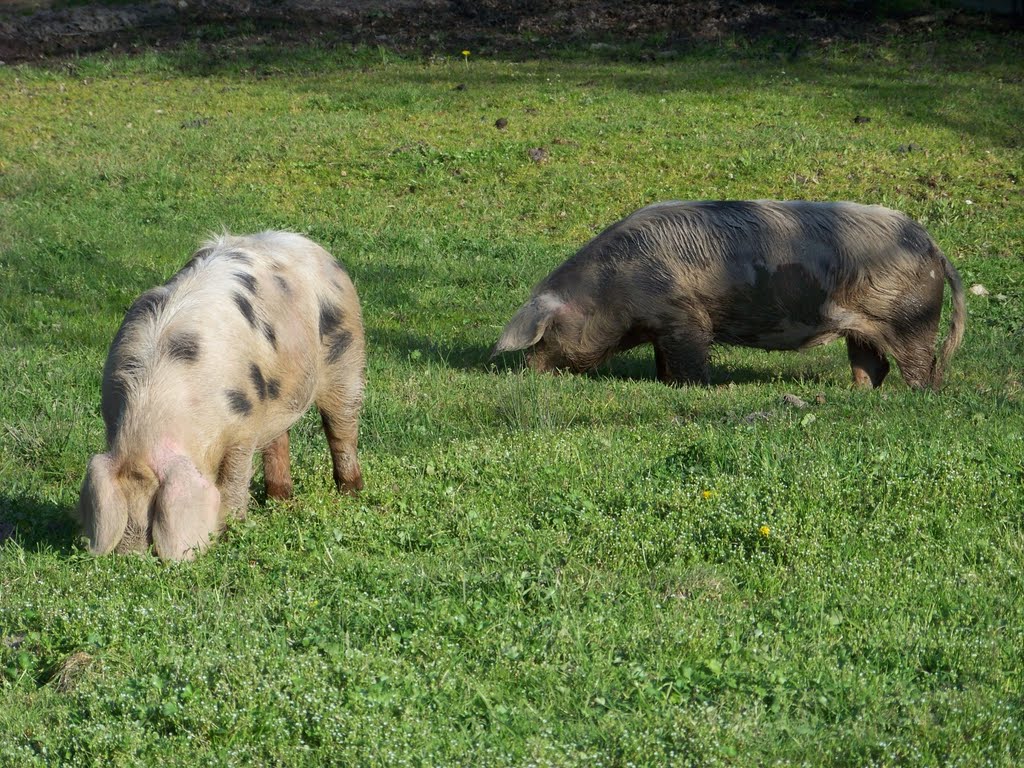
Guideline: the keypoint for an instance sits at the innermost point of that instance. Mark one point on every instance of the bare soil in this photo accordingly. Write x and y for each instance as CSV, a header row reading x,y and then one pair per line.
x,y
36,29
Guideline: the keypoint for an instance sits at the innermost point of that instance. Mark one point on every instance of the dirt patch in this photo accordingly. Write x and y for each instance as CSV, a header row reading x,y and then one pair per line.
x,y
33,30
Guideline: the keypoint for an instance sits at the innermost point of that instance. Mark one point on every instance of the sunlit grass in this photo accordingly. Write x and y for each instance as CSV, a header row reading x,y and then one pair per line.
x,y
548,570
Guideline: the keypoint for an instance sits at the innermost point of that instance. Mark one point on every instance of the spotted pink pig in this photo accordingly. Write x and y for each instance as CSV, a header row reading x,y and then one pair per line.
x,y
207,369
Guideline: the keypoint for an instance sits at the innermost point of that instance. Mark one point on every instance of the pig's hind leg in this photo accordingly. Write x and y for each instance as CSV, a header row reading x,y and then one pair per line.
x,y
868,363
912,331
916,360
339,405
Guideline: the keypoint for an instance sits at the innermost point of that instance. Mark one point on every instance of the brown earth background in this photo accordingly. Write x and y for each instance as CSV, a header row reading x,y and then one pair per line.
x,y
34,30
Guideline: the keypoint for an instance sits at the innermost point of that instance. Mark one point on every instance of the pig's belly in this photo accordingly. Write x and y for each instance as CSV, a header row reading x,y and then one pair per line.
x,y
779,307
774,333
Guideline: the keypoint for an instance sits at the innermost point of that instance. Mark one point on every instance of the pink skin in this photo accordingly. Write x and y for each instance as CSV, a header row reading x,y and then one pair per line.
x,y
166,451
187,505
102,507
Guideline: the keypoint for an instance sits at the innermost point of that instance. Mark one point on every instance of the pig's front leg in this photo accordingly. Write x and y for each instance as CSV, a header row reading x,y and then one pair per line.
x,y
277,469
233,480
681,357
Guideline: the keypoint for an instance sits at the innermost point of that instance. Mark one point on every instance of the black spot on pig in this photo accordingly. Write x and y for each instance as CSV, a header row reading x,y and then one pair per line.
x,y
607,277
238,402
775,301
246,308
797,289
247,280
655,281
131,372
258,382
283,285
183,346
330,319
148,305
198,257
132,365
913,237
273,389
240,257
337,344
269,334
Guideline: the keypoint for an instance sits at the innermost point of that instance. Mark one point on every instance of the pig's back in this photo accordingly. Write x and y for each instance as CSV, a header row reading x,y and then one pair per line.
x,y
706,234
231,343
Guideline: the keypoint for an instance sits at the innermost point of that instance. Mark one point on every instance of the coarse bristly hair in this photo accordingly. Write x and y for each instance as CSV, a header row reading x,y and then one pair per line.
x,y
697,268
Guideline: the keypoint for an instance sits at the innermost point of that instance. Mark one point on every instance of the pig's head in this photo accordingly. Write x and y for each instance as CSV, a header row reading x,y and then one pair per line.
x,y
549,328
126,508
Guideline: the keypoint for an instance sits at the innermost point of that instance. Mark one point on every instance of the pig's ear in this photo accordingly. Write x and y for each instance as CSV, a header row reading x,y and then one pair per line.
x,y
102,507
529,323
187,507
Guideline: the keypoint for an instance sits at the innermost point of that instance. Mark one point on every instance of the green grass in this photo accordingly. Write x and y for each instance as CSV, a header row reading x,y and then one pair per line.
x,y
592,570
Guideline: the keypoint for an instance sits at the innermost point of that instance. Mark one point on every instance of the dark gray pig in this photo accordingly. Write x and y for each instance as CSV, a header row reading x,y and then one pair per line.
x,y
766,274
209,368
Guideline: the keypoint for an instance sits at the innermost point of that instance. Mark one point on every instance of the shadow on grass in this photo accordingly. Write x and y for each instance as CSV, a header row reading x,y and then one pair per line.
x,y
493,26
870,86
472,357
642,369
447,354
267,39
38,525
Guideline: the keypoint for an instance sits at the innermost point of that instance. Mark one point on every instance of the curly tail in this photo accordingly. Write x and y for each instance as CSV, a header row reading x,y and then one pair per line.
x,y
957,321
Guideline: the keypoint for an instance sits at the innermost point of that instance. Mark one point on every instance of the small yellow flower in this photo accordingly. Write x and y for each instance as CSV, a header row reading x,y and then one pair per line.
x,y
465,53
465,58
765,531
707,494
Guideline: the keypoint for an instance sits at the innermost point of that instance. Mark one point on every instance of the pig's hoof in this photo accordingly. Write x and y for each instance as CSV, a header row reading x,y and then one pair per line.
x,y
279,491
351,486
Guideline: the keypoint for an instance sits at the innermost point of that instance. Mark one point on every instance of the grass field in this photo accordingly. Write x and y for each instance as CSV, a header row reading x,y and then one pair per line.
x,y
542,570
